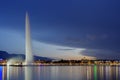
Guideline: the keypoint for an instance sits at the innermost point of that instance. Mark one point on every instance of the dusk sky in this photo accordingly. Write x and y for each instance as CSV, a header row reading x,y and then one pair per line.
x,y
67,29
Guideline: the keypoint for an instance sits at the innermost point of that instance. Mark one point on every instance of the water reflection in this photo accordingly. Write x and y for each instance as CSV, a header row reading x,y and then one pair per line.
x,y
13,73
89,69
28,73
1,73
8,72
60,73
95,72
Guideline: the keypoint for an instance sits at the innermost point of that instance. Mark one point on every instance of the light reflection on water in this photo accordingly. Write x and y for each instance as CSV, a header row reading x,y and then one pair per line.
x,y
60,73
28,73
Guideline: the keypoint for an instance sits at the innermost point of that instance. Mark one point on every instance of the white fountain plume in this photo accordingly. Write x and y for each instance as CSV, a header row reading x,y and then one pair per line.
x,y
29,56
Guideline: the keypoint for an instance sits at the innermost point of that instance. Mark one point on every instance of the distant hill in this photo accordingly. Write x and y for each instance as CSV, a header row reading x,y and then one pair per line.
x,y
5,55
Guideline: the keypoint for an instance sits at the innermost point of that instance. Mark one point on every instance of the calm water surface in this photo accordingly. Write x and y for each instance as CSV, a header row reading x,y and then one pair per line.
x,y
60,73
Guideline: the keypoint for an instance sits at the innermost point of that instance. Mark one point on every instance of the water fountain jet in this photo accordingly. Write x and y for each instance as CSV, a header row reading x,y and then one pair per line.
x,y
28,53
28,47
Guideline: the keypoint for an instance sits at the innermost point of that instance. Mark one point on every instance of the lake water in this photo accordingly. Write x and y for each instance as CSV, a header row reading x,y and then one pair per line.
x,y
60,73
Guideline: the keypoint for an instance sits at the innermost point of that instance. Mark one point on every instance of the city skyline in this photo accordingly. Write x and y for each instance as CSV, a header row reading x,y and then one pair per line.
x,y
62,29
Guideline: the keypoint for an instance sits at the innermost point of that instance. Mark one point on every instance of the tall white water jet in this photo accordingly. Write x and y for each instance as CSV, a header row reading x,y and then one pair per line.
x,y
29,56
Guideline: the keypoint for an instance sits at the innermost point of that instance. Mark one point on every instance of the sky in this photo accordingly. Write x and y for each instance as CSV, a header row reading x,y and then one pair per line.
x,y
69,29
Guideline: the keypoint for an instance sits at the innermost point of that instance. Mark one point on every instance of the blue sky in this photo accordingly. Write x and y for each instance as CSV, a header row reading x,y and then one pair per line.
x,y
62,28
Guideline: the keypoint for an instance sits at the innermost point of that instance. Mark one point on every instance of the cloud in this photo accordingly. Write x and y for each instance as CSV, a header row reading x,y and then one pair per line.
x,y
66,49
101,54
102,46
94,37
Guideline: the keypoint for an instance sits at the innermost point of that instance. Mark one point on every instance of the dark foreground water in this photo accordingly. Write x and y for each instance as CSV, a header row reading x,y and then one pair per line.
x,y
60,73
